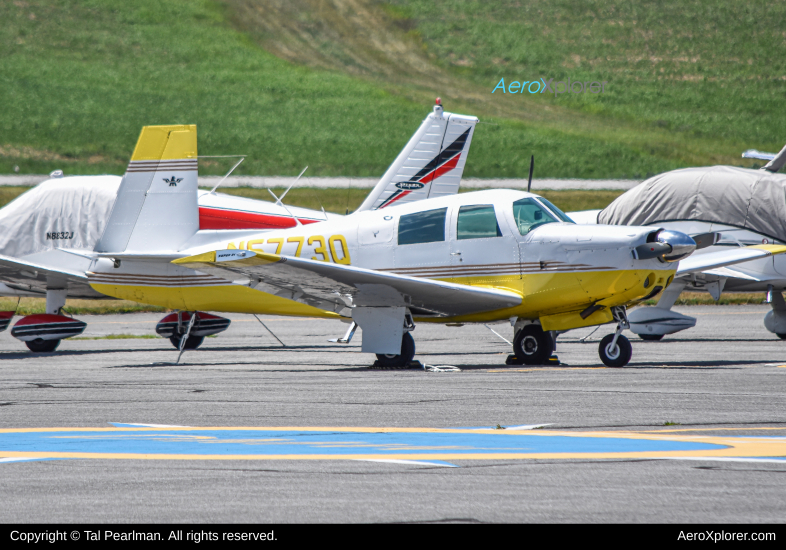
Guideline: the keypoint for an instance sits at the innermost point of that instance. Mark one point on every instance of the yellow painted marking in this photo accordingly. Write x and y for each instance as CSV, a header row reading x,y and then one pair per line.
x,y
714,429
344,249
278,241
166,143
299,241
319,249
771,248
733,447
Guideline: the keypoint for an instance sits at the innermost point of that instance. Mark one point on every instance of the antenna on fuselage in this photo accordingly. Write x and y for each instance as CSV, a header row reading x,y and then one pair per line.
x,y
242,158
531,168
281,204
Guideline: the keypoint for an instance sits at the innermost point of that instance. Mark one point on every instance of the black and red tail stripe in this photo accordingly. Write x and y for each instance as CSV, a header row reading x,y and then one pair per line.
x,y
443,163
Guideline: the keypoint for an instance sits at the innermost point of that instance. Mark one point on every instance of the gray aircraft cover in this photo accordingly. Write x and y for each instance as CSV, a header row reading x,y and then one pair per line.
x,y
66,212
740,197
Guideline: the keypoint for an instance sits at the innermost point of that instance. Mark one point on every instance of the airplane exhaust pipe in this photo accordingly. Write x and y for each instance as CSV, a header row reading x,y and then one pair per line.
x,y
668,246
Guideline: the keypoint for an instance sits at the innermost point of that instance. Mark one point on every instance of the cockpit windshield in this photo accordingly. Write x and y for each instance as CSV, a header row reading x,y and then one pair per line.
x,y
530,214
560,214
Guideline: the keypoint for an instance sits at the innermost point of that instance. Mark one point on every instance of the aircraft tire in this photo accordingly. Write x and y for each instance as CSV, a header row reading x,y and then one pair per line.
x,y
652,337
532,345
781,336
621,355
401,360
42,346
193,342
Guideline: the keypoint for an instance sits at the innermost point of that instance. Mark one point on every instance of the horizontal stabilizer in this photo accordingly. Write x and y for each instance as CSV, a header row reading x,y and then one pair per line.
x,y
32,277
336,287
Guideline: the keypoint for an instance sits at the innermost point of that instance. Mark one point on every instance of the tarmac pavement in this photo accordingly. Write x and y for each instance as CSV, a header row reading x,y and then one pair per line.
x,y
706,387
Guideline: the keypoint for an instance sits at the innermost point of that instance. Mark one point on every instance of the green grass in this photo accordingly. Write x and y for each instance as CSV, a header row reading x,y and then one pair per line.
x,y
711,69
726,299
32,306
79,78
340,200
10,192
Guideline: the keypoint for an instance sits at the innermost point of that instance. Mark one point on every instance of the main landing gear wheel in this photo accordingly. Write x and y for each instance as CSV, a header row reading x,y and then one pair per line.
x,y
40,345
617,357
532,346
193,342
401,360
653,337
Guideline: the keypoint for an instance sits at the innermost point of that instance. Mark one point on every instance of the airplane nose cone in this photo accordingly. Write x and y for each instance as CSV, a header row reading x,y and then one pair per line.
x,y
682,245
669,246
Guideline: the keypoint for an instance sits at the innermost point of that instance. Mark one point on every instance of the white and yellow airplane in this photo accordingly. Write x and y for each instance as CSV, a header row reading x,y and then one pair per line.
x,y
480,257
71,213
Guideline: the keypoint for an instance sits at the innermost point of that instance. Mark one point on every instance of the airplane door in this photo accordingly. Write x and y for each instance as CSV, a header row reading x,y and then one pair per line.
x,y
422,247
482,249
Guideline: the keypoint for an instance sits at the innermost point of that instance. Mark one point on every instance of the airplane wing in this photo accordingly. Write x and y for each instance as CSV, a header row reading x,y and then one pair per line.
x,y
334,287
713,260
35,278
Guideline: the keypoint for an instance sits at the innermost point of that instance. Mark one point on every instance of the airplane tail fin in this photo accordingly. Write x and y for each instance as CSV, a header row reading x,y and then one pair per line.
x,y
430,165
156,208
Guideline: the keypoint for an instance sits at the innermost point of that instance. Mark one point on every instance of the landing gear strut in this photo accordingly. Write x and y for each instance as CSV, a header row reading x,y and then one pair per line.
x,y
615,350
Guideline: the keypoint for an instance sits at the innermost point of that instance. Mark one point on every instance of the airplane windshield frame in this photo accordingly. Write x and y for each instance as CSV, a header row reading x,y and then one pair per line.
x,y
554,210
530,214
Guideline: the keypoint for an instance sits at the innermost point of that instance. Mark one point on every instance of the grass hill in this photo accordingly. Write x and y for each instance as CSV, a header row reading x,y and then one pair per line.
x,y
340,85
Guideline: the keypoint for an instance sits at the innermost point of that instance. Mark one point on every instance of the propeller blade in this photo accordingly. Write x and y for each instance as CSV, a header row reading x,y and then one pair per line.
x,y
531,168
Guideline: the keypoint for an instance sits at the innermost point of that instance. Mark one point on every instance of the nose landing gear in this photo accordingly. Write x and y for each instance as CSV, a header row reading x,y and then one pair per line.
x,y
615,349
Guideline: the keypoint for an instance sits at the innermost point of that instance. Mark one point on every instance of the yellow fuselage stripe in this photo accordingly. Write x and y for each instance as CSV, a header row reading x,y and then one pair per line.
x,y
545,293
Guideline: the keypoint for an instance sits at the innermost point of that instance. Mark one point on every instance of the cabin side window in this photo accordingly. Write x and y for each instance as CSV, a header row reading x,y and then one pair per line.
x,y
477,222
422,227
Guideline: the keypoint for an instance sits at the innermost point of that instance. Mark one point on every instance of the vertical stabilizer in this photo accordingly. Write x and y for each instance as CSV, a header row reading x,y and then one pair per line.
x,y
156,207
431,164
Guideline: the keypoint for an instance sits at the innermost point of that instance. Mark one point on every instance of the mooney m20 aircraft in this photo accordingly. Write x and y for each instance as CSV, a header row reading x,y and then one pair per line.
x,y
480,257
72,213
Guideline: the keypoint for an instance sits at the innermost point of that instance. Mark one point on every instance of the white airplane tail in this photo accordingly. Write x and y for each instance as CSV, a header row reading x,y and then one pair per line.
x,y
156,208
431,164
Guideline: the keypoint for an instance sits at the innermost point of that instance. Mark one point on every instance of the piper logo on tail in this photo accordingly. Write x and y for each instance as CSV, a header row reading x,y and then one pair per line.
x,y
173,181
412,185
444,162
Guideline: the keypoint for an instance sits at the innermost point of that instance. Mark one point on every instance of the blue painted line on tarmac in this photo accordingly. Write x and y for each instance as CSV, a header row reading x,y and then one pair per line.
x,y
208,442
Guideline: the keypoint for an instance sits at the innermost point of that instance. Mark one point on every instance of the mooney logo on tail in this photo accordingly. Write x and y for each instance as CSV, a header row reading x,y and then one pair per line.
x,y
443,163
173,181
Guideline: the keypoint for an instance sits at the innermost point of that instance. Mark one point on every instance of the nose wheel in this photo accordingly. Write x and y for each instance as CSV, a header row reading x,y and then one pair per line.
x,y
614,349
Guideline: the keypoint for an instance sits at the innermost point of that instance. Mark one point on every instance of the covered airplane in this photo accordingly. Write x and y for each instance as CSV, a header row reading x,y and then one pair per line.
x,y
480,257
731,209
47,235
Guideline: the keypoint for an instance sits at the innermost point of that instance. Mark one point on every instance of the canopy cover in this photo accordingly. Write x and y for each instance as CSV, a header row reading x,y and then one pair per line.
x,y
740,197
61,212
